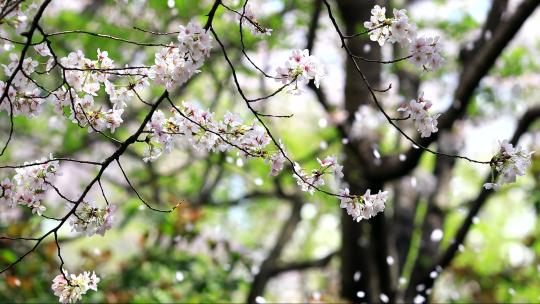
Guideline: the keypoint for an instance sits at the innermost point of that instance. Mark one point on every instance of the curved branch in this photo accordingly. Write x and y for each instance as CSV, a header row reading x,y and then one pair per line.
x,y
448,255
392,167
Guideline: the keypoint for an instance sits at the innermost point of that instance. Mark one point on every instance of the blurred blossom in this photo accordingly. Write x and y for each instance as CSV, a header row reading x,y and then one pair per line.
x,y
519,255
367,122
420,183
454,141
436,235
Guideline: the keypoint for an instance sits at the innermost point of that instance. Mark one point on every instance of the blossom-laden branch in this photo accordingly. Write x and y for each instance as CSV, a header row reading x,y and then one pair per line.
x,y
513,157
174,64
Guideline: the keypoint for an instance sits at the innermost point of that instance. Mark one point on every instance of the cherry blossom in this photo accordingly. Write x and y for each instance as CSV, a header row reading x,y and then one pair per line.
x,y
308,182
299,69
42,49
250,21
86,113
509,162
378,25
204,133
277,161
175,64
426,52
330,162
7,188
29,185
417,109
401,31
82,74
396,29
23,96
72,291
362,207
92,220
191,126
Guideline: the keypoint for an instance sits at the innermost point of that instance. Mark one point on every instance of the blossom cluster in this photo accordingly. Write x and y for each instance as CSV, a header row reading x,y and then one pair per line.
x,y
299,69
23,96
203,132
425,52
18,18
309,182
29,185
91,220
277,162
365,206
177,63
72,291
417,109
250,21
396,29
85,77
367,122
81,73
509,162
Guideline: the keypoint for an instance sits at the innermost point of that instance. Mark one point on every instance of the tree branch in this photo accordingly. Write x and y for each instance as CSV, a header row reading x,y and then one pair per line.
x,y
448,255
392,167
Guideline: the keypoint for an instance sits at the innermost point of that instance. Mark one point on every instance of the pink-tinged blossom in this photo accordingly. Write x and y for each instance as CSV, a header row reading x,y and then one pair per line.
x,y
401,31
509,162
396,29
309,182
177,63
329,163
90,220
43,49
29,65
72,291
29,185
204,133
299,69
82,73
417,109
362,207
86,114
277,162
250,21
350,204
23,97
7,192
426,53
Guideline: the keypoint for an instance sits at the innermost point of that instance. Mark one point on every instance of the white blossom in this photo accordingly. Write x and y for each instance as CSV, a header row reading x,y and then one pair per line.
x,y
204,133
299,69
426,52
509,162
277,161
91,220
30,184
250,21
176,64
396,29
72,291
363,207
425,122
43,49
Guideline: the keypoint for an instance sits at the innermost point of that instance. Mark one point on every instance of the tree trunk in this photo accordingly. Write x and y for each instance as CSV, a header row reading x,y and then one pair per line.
x,y
359,267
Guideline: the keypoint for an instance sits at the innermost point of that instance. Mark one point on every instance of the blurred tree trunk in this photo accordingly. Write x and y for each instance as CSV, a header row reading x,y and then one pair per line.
x,y
360,270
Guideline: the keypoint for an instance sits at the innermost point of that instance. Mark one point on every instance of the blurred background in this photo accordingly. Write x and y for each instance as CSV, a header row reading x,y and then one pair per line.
x,y
241,235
